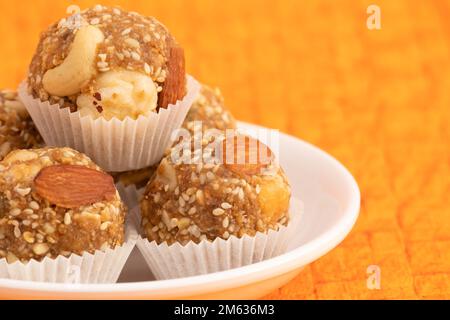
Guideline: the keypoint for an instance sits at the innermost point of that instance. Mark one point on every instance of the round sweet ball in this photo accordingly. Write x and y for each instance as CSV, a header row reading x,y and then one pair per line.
x,y
216,199
17,130
107,62
209,109
56,202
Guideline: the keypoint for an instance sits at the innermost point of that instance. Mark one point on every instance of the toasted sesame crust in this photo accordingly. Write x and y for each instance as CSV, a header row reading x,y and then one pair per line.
x,y
17,130
132,42
209,108
33,228
195,202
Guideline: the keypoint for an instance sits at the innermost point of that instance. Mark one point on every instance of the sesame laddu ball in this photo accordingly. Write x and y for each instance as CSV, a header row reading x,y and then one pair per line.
x,y
205,201
209,108
107,62
17,130
56,201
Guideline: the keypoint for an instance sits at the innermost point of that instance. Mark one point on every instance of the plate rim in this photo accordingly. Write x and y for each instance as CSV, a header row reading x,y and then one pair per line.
x,y
227,279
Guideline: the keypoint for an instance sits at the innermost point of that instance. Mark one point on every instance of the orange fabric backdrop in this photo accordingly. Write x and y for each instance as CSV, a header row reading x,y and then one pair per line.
x,y
377,100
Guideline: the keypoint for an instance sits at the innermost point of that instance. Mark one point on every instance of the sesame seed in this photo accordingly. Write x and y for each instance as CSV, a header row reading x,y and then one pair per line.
x,y
199,196
133,43
218,212
34,205
241,194
147,68
17,232
226,205
28,237
15,212
226,235
225,222
185,196
67,218
126,31
23,192
135,56
28,211
105,225
40,248
192,211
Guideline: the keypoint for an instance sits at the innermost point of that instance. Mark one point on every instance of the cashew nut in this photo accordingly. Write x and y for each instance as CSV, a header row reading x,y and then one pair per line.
x,y
78,68
121,93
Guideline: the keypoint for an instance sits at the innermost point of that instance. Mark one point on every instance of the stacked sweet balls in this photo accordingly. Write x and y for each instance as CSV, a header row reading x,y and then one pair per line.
x,y
110,85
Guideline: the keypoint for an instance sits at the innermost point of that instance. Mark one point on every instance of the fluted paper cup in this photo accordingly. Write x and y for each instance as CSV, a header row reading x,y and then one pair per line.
x,y
129,194
177,261
115,145
103,266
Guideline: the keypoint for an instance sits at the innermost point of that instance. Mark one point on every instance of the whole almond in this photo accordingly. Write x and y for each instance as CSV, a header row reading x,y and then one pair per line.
x,y
72,186
174,86
245,155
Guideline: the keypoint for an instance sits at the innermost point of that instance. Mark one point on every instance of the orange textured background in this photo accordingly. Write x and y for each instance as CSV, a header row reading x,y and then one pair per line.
x,y
377,100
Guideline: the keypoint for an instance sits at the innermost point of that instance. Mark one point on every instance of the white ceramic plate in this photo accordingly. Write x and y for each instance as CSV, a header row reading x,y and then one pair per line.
x,y
331,200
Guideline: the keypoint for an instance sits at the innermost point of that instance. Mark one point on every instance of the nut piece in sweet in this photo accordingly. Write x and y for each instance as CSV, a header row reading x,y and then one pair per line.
x,y
245,155
73,186
173,88
120,93
78,68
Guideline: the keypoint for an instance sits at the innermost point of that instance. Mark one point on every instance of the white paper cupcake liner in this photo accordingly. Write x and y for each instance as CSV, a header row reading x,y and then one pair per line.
x,y
177,261
130,195
114,145
99,267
